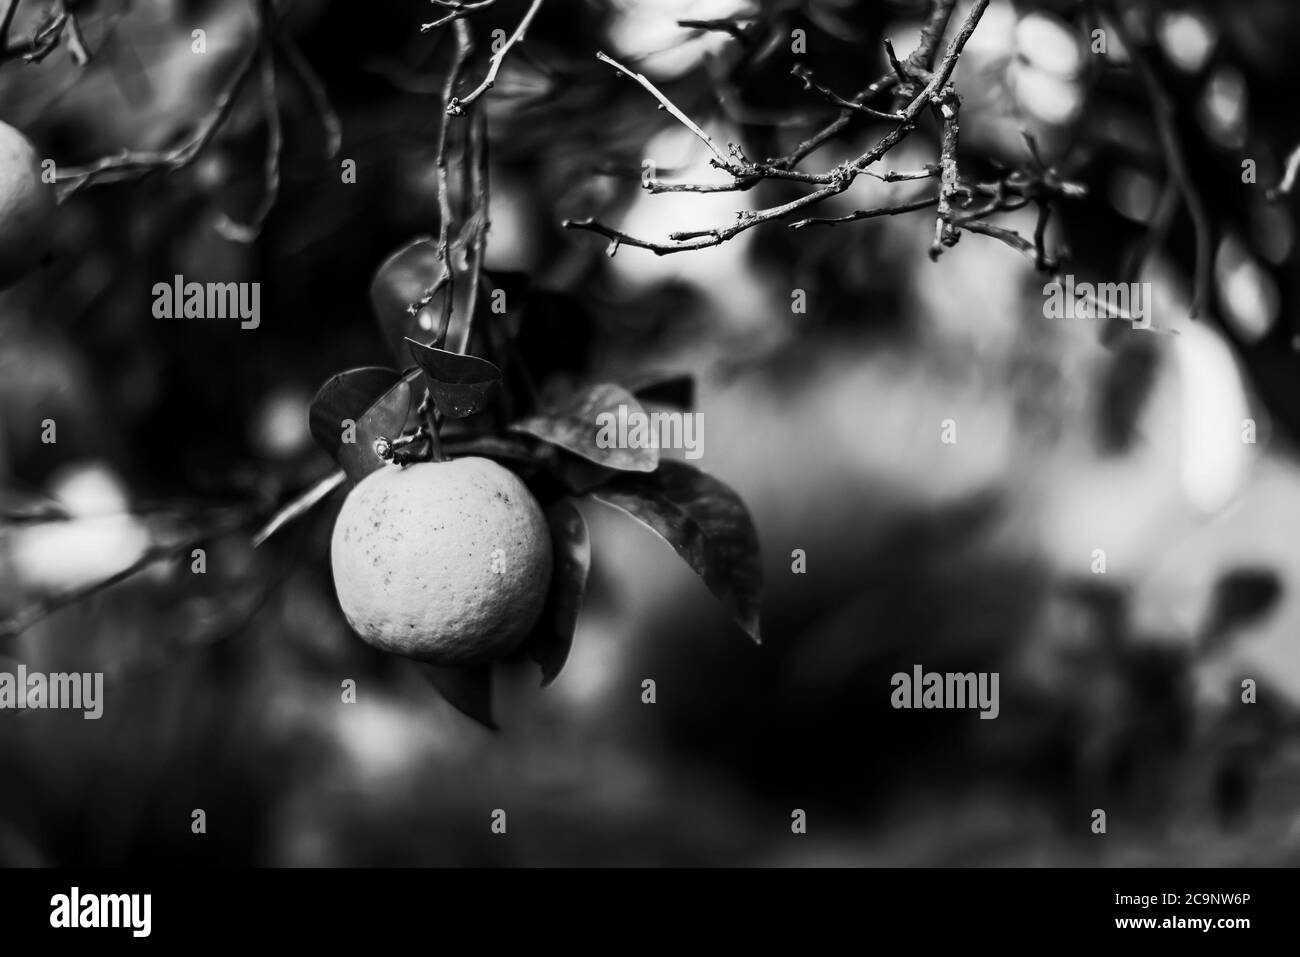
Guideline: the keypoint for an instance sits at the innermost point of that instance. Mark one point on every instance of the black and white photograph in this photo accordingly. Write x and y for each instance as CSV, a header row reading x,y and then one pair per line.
x,y
651,434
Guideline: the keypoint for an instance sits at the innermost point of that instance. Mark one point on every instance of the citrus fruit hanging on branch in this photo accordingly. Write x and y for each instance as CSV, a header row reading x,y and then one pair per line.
x,y
445,562
26,207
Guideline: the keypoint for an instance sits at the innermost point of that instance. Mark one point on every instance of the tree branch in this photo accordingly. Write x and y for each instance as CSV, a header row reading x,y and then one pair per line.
x,y
946,232
730,27
666,104
455,106
1176,162
936,25
806,75
458,9
300,505
837,180
868,213
132,164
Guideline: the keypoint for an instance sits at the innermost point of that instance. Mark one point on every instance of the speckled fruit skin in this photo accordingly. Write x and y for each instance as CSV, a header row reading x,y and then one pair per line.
x,y
446,562
27,207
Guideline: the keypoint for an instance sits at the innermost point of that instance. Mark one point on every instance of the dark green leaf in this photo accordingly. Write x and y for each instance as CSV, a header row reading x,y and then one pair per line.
x,y
676,390
400,282
346,396
1241,598
706,523
16,506
468,690
552,637
576,475
388,417
499,448
574,423
460,385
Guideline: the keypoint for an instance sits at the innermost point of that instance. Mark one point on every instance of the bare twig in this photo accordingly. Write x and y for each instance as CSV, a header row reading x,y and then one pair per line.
x,y
446,281
731,27
659,186
919,62
895,64
946,232
832,129
1176,162
806,75
132,164
477,224
745,176
666,104
135,164
896,177
935,26
300,505
37,611
428,414
1011,238
702,239
868,213
456,106
836,180
458,10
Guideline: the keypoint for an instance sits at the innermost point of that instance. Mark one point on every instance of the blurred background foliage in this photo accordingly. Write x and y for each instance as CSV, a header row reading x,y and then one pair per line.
x,y
1119,691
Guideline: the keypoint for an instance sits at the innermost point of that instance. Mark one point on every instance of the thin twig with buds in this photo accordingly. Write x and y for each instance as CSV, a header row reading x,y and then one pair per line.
x,y
458,8
135,164
666,104
456,106
935,93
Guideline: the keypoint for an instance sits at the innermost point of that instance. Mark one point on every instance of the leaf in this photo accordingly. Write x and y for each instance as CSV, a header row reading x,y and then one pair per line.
x,y
575,423
499,448
708,526
1241,598
576,475
459,384
401,281
468,690
387,417
552,637
674,389
346,396
18,506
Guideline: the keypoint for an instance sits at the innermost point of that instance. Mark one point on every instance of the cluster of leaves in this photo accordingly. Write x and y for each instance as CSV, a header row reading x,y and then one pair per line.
x,y
548,438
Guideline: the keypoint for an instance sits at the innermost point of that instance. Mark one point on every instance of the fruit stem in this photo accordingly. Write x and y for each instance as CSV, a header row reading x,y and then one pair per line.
x,y
431,427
